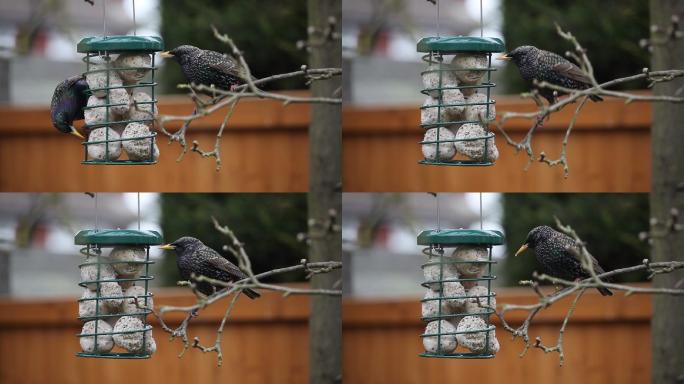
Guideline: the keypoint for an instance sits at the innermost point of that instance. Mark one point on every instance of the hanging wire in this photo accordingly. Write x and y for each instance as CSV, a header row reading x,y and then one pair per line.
x,y
480,211
481,35
104,18
97,218
138,211
439,224
437,1
135,27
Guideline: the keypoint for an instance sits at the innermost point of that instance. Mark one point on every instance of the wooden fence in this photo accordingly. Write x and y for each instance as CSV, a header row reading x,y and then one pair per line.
x,y
607,341
609,151
264,149
266,341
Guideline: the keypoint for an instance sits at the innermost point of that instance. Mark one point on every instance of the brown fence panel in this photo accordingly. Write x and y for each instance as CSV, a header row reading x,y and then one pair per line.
x,y
607,341
265,341
264,148
609,151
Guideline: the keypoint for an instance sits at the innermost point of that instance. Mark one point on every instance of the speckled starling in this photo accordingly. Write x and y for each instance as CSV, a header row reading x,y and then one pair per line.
x,y
553,253
67,104
535,63
195,257
206,67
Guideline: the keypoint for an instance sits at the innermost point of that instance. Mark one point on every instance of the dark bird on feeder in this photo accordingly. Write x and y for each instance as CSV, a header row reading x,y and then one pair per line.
x,y
195,257
559,255
535,63
67,104
206,67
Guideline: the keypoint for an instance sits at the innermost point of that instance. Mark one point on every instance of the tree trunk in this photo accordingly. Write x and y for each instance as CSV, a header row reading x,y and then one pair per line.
x,y
667,193
325,324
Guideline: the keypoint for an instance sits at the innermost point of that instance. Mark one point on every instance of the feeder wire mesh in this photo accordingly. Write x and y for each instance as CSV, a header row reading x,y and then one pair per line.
x,y
98,59
467,266
94,249
94,241
442,118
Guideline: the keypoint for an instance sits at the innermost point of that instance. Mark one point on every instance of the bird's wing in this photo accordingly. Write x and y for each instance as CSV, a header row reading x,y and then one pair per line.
x,y
571,71
214,260
597,267
222,63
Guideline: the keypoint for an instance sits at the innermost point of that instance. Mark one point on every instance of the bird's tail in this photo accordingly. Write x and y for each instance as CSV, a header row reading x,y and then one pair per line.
x,y
604,291
596,98
252,294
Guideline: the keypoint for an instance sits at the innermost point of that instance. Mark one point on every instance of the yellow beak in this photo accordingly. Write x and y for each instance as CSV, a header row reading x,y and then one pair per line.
x,y
167,246
504,57
76,133
522,249
166,54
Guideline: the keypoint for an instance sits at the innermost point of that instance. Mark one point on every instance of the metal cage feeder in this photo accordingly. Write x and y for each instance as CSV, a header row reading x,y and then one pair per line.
x,y
94,241
436,49
104,47
436,241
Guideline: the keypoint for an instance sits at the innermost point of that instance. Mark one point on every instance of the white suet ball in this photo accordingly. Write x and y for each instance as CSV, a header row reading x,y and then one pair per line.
x,y
432,272
130,341
139,149
474,341
443,343
87,308
130,306
478,112
89,272
431,79
141,108
470,254
466,65
97,151
127,260
133,60
429,115
104,342
475,149
446,149
478,305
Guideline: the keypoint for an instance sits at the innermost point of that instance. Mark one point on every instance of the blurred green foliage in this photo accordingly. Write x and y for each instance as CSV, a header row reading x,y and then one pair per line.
x,y
267,224
608,223
610,30
266,31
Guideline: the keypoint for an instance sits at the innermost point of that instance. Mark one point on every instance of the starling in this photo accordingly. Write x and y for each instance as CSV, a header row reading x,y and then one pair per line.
x,y
206,67
535,63
552,250
67,104
195,257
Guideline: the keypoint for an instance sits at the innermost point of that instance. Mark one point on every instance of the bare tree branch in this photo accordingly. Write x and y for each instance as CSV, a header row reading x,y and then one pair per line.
x,y
577,288
229,99
252,281
543,111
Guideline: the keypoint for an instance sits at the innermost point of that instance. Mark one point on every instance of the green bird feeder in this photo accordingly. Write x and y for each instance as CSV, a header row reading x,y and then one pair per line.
x,y
108,78
450,87
101,269
443,268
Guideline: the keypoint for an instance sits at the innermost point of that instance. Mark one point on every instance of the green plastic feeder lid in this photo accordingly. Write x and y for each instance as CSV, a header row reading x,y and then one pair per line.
x,y
460,236
120,43
117,237
452,44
